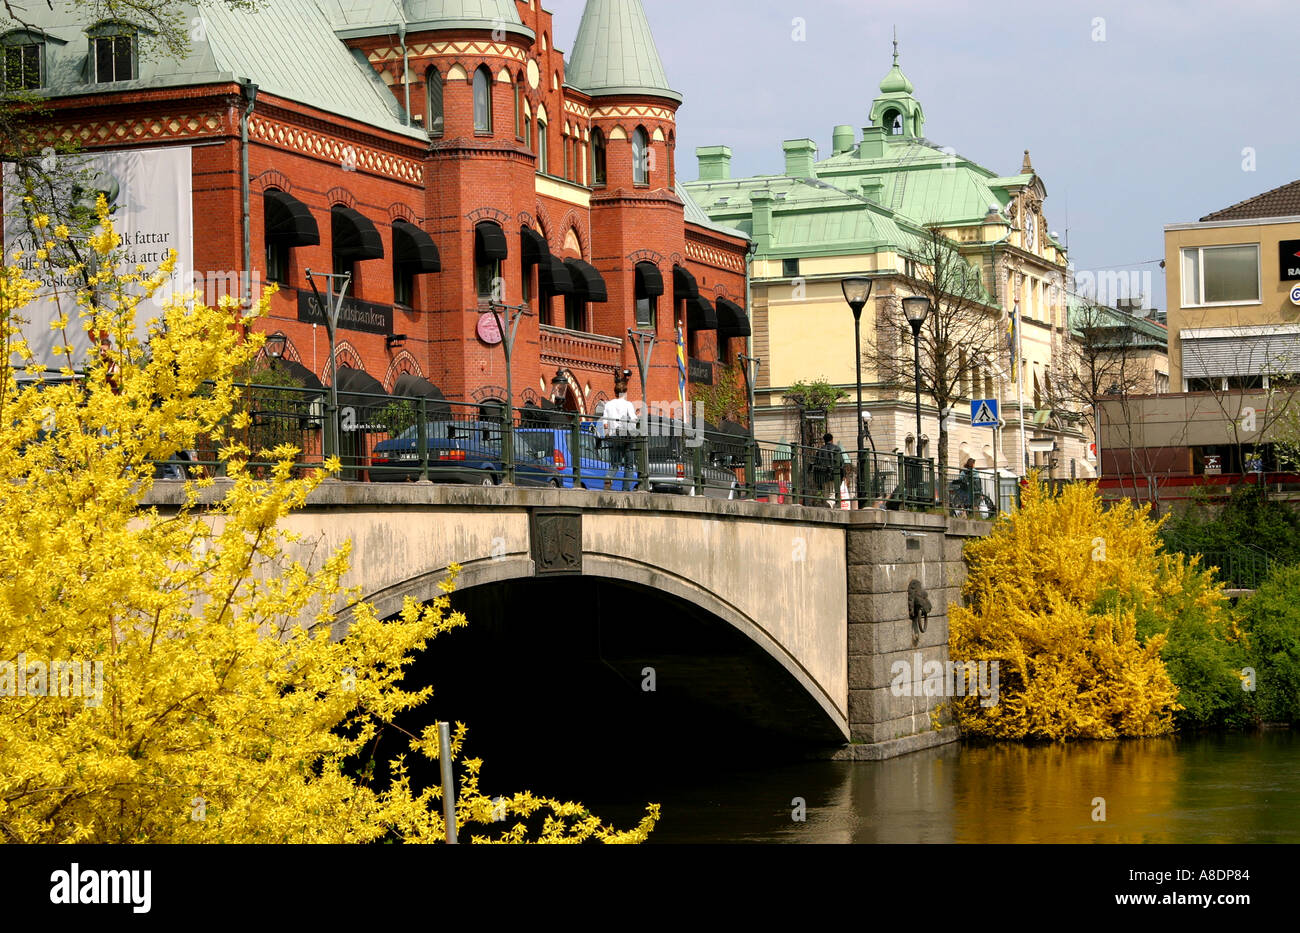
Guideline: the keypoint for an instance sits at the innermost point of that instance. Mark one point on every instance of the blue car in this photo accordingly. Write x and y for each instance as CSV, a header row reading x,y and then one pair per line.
x,y
594,460
462,452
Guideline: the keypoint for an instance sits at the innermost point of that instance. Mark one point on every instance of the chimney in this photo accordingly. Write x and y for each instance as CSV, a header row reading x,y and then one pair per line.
x,y
715,162
761,203
873,142
842,139
799,157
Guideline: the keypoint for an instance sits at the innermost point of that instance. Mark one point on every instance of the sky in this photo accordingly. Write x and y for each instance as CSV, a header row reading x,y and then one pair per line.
x,y
1136,114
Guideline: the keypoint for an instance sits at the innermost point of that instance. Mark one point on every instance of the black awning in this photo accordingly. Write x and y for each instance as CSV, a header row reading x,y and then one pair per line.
x,y
536,249
649,283
299,373
414,250
684,286
588,284
732,320
355,237
363,392
490,241
409,385
699,314
553,276
289,221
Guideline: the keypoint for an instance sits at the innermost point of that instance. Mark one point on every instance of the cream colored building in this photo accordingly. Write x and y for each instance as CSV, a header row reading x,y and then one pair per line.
x,y
1233,323
865,210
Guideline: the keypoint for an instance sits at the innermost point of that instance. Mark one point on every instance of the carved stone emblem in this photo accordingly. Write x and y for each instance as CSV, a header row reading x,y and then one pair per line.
x,y
556,537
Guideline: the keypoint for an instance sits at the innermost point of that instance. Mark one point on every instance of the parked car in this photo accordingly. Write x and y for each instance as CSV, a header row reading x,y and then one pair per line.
x,y
771,491
671,462
594,464
463,452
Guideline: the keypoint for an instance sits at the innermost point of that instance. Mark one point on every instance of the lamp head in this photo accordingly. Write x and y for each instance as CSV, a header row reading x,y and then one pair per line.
x,y
857,289
915,309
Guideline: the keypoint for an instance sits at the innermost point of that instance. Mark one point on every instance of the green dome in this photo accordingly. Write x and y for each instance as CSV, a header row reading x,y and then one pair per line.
x,y
895,82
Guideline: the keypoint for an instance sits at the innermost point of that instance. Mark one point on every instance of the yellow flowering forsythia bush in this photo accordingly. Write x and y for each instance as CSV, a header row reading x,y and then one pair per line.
x,y
225,712
1054,596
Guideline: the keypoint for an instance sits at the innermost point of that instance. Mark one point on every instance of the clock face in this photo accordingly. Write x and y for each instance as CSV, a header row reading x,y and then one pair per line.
x,y
1030,229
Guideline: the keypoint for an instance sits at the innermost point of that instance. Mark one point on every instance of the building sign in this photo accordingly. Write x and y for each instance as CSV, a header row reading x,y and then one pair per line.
x,y
488,329
354,315
1288,260
149,199
1213,465
700,371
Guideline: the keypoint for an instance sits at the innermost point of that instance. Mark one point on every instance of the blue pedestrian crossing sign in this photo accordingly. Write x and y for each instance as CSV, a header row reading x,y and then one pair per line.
x,y
984,413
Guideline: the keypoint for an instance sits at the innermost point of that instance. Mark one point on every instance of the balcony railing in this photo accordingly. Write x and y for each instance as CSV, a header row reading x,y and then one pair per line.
x,y
563,347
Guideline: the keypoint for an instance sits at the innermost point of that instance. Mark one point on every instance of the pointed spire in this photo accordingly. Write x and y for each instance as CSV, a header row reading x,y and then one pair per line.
x,y
895,82
1026,167
615,54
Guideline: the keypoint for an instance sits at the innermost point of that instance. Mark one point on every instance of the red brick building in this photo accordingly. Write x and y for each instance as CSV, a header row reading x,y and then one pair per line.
x,y
444,159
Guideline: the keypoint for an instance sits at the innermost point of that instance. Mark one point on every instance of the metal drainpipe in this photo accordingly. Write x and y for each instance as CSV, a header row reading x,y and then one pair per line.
x,y
406,71
249,90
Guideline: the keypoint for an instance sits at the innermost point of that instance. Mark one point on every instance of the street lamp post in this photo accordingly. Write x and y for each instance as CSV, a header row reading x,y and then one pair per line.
x,y
331,309
857,290
915,309
643,344
749,365
514,314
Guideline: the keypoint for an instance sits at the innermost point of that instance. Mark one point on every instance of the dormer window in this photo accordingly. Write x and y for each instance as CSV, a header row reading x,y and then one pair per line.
x,y
113,52
22,62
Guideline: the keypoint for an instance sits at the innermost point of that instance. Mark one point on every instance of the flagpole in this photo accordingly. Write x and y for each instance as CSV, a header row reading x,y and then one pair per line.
x,y
1020,393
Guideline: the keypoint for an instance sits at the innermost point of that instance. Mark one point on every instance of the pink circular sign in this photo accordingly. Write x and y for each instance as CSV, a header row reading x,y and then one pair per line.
x,y
487,329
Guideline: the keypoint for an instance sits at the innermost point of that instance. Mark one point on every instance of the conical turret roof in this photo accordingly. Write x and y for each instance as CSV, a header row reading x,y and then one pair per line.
x,y
615,53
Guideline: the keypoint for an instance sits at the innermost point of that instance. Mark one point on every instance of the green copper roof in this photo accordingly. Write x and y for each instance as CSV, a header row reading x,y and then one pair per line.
x,y
917,179
307,64
614,52
895,82
695,215
1146,333
352,18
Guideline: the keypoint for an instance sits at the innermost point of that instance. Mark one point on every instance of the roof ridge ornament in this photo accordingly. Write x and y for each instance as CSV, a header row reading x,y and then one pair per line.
x,y
1026,167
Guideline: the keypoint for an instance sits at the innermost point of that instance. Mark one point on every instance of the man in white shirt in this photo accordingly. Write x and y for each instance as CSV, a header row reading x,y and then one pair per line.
x,y
620,428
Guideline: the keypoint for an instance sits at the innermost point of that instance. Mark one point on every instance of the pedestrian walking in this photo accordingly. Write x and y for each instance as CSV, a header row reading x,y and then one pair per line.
x,y
619,421
828,470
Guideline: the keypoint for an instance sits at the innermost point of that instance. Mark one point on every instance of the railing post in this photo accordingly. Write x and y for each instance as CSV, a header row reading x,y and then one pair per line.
x,y
749,469
796,473
697,468
508,443
422,438
575,448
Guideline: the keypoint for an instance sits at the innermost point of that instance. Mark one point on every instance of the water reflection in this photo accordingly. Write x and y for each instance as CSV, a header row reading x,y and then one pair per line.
x,y
1223,788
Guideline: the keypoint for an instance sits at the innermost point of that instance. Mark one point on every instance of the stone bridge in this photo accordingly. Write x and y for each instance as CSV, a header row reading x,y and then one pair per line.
x,y
813,601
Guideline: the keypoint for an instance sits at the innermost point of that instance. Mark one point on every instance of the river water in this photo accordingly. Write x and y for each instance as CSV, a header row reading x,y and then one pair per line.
x,y
1217,788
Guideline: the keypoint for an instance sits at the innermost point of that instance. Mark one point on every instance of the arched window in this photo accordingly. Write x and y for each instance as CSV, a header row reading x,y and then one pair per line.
x,y
597,159
528,131
892,121
489,251
640,157
482,100
519,108
24,53
113,48
543,158
433,86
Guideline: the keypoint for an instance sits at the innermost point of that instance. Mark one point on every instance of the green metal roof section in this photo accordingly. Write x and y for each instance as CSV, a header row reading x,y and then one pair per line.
x,y
355,18
286,47
615,54
809,217
695,215
1081,312
916,178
